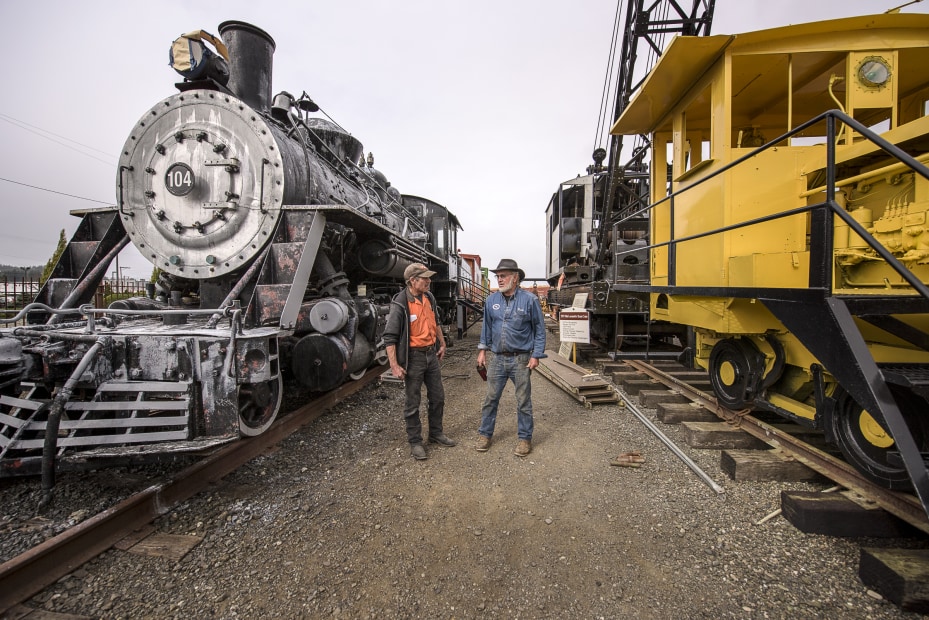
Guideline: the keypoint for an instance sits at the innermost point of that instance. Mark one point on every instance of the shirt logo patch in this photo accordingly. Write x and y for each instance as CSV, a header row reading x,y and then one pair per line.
x,y
496,306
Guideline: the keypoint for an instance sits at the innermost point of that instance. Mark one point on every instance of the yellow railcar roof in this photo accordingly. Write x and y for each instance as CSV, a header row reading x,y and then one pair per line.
x,y
687,58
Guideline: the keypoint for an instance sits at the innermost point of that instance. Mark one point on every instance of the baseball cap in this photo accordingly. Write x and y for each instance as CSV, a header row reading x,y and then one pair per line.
x,y
417,270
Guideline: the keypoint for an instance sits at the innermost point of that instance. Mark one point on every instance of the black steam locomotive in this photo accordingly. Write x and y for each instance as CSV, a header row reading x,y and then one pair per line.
x,y
278,244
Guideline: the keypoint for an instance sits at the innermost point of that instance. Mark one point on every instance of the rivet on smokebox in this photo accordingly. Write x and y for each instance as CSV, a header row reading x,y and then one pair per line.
x,y
175,260
210,259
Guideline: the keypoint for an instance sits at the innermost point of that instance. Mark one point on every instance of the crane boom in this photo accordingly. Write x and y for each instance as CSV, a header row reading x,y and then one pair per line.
x,y
649,25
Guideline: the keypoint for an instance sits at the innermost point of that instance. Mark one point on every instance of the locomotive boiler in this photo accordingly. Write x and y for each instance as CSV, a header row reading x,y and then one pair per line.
x,y
277,246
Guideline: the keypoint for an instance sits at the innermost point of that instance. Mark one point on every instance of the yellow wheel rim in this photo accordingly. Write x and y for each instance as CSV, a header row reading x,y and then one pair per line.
x,y
873,432
727,373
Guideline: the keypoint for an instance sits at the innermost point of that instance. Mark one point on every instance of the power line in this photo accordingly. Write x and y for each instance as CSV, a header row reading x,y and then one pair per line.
x,y
103,202
26,127
107,153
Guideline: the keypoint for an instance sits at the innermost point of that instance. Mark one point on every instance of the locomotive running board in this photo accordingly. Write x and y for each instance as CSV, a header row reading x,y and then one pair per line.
x,y
850,362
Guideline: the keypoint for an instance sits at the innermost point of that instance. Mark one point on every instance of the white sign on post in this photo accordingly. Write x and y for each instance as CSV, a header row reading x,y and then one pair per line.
x,y
574,325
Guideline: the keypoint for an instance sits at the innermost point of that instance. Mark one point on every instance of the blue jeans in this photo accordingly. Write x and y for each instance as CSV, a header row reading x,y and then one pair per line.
x,y
423,368
502,368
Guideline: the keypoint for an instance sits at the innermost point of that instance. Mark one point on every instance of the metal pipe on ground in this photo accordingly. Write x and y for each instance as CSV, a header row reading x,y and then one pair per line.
x,y
670,444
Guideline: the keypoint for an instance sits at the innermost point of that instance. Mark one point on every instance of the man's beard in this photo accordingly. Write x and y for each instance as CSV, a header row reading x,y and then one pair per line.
x,y
509,288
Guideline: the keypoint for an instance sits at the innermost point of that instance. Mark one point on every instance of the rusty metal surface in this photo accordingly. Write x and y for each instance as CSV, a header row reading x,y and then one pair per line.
x,y
902,505
31,572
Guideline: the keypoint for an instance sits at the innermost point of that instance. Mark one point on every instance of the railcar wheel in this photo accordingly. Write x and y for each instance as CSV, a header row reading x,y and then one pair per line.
x,y
259,404
736,369
868,446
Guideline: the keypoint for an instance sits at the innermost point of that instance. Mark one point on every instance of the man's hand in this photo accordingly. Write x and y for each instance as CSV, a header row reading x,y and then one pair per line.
x,y
397,371
482,357
441,352
533,362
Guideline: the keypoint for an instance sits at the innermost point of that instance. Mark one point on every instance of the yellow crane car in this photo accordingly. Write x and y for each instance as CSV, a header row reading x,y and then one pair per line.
x,y
788,225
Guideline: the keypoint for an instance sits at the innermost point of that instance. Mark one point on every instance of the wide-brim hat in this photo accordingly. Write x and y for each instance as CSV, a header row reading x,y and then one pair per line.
x,y
417,270
508,264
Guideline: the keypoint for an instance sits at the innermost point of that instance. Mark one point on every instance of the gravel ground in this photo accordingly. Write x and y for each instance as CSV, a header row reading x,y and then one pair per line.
x,y
341,522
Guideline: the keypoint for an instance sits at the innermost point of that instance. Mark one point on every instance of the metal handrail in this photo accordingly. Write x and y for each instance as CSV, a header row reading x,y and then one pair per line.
x,y
830,117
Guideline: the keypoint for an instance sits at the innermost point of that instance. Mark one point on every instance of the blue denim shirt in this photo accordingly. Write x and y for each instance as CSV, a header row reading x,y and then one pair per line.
x,y
514,325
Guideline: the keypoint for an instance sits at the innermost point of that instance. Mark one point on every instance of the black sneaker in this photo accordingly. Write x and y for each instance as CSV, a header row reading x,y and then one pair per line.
x,y
442,440
418,452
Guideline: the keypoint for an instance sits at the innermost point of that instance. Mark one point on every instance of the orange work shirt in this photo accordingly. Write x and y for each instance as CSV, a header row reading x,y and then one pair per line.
x,y
422,322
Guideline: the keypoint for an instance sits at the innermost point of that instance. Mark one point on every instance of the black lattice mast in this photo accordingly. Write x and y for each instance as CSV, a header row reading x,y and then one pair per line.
x,y
650,25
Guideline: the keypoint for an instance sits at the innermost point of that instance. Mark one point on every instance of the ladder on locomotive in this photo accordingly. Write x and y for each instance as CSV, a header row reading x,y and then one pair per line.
x,y
82,264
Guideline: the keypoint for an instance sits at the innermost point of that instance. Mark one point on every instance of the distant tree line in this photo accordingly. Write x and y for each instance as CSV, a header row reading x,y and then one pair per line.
x,y
38,273
14,271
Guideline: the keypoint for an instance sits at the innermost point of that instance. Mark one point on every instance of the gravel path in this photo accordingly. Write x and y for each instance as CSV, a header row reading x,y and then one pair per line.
x,y
341,522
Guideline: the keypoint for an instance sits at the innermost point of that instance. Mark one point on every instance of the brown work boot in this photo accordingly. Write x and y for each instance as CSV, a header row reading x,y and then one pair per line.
x,y
483,444
523,447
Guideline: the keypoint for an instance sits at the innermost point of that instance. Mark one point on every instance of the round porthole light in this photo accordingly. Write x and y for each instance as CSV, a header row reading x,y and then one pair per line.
x,y
873,72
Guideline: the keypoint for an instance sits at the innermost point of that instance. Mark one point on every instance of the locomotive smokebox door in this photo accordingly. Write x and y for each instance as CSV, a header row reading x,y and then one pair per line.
x,y
203,200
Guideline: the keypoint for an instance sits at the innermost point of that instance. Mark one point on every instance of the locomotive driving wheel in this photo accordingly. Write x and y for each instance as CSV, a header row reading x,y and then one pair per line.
x,y
869,447
736,370
258,406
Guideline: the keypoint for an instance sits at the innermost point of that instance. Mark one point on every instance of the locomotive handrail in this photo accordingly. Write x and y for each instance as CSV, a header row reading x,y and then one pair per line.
x,y
121,201
88,309
830,116
36,306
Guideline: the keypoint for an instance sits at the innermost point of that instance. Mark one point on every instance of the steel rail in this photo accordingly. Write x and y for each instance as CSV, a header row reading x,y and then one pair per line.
x,y
29,573
901,505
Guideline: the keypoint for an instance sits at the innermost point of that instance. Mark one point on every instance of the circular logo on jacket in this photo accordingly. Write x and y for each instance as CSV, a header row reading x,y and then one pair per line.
x,y
496,306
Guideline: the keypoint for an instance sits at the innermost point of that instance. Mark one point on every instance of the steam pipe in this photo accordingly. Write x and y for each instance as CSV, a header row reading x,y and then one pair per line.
x,y
54,419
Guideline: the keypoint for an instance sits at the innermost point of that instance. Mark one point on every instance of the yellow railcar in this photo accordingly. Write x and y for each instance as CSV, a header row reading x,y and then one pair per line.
x,y
788,225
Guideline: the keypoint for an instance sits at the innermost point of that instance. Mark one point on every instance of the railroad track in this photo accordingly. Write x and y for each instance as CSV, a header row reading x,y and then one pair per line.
x,y
901,505
32,571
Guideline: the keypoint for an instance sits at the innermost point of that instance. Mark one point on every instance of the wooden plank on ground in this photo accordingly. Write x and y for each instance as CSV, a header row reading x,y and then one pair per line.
x,y
172,546
837,514
677,412
899,575
584,385
652,398
719,436
765,465
619,377
634,386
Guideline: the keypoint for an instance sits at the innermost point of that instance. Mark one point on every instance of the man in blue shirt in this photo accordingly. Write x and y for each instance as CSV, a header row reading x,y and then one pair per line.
x,y
514,331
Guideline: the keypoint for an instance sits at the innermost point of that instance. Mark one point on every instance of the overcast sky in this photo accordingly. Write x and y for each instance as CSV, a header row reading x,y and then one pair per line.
x,y
483,106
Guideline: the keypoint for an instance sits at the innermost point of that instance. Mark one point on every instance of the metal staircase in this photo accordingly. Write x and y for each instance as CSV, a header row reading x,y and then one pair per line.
x,y
83,264
471,297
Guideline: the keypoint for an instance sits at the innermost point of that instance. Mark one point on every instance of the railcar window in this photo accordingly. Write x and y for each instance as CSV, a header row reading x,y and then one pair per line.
x,y
914,83
773,93
438,235
696,127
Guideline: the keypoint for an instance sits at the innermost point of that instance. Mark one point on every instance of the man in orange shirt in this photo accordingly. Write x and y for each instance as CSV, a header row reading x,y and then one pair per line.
x,y
415,346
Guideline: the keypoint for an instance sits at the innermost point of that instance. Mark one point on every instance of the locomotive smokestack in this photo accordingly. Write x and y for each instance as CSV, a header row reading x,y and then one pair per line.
x,y
251,51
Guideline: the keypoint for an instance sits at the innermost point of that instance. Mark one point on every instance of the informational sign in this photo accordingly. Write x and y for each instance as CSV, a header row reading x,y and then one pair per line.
x,y
574,325
580,301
